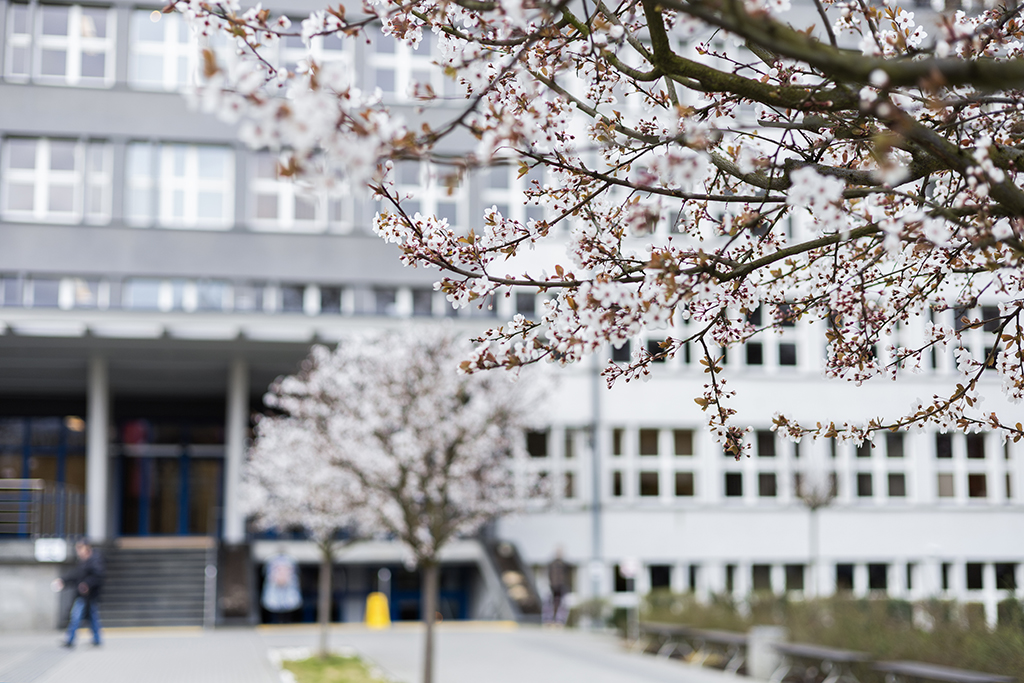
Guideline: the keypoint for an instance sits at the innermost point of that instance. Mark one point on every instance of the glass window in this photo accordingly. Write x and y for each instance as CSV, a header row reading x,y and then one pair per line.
x,y
211,295
733,484
977,485
878,577
794,577
897,485
526,305
292,298
761,577
945,486
423,302
766,485
180,186
617,435
617,484
142,293
684,483
975,576
279,204
45,293
943,445
330,300
402,72
57,181
537,443
894,444
569,490
755,353
385,301
787,354
683,439
163,54
61,44
648,484
648,442
976,446
766,443
864,485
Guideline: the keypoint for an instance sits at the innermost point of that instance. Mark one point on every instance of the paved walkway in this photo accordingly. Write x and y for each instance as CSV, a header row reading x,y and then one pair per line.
x,y
467,653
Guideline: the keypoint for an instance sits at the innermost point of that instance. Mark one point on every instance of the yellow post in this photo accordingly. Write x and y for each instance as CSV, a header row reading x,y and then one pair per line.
x,y
377,614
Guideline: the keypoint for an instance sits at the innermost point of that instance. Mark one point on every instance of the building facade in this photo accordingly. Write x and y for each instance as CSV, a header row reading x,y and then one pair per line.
x,y
156,276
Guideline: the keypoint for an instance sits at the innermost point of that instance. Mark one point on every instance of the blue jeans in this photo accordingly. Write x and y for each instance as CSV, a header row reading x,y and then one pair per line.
x,y
81,605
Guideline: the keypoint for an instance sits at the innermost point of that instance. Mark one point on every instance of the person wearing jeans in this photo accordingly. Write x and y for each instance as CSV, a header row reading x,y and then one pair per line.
x,y
86,579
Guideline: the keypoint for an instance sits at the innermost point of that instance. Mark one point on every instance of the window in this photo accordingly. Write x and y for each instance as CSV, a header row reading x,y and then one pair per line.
x,y
684,484
864,450
526,305
787,354
570,444
163,55
143,293
694,572
683,439
945,486
946,570
292,298
617,484
766,485
975,576
794,577
537,444
943,445
569,488
878,577
1006,576
976,446
61,44
661,575
844,577
617,441
249,297
897,485
894,444
730,578
648,442
402,72
977,486
291,53
43,293
755,353
622,583
280,204
180,186
911,570
648,484
385,301
58,181
431,191
210,295
864,488
733,484
330,300
761,577
622,353
422,302
766,444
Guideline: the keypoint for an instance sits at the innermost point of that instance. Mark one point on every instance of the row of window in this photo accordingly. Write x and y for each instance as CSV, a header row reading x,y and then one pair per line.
x,y
75,45
193,186
680,442
877,577
154,294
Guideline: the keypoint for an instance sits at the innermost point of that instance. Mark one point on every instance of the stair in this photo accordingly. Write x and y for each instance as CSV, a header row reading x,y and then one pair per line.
x,y
515,578
155,586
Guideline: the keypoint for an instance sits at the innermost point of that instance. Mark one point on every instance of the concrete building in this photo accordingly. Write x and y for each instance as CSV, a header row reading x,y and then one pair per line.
x,y
157,276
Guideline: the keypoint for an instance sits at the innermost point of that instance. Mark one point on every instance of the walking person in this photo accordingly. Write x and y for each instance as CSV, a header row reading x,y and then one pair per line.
x,y
86,579
558,583
281,594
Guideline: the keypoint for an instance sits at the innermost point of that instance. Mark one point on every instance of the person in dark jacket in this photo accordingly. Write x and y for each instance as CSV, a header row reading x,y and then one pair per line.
x,y
86,579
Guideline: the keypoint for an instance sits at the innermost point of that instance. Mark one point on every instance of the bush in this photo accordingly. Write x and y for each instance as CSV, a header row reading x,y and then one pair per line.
x,y
940,632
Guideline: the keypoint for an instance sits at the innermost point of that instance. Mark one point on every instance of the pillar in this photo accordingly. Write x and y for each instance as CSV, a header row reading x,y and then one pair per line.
x,y
96,456
236,424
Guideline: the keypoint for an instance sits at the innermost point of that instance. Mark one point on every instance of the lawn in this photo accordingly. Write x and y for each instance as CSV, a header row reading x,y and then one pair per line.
x,y
333,669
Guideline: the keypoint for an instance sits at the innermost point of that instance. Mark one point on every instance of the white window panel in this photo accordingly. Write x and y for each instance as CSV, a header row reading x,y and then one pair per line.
x,y
400,71
291,53
431,191
504,189
180,186
58,181
163,53
279,204
61,44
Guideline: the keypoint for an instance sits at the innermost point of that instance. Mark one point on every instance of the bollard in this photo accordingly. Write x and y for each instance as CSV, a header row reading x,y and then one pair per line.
x,y
377,614
762,658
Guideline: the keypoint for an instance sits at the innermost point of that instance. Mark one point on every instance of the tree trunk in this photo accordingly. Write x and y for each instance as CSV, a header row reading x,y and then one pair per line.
x,y
431,572
324,598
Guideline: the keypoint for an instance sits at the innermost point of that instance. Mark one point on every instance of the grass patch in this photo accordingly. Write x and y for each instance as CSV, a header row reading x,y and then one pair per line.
x,y
333,669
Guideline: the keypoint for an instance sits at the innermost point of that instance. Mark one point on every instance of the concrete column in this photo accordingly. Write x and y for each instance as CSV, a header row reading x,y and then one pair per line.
x,y
860,580
990,594
236,425
96,456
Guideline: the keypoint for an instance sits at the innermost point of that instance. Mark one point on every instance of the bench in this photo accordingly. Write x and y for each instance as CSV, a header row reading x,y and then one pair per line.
x,y
810,662
904,671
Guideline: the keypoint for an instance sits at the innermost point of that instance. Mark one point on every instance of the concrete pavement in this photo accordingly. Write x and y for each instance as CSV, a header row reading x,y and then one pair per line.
x,y
479,652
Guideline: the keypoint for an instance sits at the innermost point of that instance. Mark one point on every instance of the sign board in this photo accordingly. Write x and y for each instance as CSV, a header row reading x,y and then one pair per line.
x,y
51,550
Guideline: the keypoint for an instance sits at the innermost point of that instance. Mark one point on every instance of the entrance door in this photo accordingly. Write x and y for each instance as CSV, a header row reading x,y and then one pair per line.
x,y
170,479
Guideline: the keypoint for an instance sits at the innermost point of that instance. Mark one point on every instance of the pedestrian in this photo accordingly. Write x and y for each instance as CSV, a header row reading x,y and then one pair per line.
x,y
557,582
86,579
280,587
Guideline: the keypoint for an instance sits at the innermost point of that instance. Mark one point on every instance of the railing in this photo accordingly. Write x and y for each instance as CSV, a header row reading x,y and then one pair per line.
x,y
34,508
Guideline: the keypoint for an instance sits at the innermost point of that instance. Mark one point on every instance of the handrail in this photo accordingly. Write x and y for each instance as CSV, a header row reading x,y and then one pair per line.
x,y
35,508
